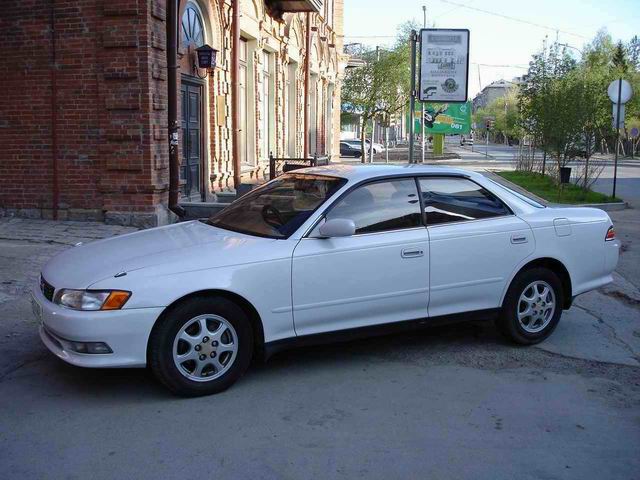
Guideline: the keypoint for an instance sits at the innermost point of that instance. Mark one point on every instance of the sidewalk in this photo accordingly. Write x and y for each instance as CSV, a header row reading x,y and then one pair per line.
x,y
57,232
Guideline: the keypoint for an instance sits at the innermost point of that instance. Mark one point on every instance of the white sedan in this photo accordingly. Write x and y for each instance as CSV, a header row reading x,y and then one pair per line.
x,y
322,253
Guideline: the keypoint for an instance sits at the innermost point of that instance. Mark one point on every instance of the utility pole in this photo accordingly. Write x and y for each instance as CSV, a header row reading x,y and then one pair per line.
x,y
373,120
424,23
412,98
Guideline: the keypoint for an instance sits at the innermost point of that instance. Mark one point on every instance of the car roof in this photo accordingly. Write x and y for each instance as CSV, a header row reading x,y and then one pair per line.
x,y
357,173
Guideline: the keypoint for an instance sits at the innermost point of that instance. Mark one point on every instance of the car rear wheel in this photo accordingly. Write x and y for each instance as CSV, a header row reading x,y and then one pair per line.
x,y
532,306
201,346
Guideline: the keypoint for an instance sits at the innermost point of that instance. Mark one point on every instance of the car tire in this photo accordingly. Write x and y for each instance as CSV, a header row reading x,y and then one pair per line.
x,y
526,317
211,360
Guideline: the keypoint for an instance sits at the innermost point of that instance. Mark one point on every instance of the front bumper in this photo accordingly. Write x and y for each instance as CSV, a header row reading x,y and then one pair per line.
x,y
126,331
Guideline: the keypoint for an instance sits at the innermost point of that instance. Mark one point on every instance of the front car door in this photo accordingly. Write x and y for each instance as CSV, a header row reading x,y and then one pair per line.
x,y
475,243
379,275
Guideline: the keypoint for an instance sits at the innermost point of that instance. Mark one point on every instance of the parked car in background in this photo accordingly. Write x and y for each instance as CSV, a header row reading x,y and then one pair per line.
x,y
466,140
377,147
350,150
318,254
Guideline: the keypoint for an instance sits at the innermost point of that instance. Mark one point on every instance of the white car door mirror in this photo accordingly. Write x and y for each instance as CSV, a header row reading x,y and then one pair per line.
x,y
337,227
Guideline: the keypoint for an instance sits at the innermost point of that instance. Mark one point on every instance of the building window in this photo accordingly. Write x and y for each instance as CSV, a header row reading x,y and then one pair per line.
x,y
313,115
192,27
267,112
243,92
328,12
291,100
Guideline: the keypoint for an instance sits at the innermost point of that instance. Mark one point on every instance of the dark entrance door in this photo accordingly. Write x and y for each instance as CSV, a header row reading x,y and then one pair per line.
x,y
190,167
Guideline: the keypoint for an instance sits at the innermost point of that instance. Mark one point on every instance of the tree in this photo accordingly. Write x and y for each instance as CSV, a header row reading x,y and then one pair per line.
x,y
381,86
619,58
548,113
633,49
505,110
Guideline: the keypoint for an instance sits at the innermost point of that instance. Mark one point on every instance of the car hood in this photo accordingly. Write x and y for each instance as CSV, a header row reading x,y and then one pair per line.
x,y
180,244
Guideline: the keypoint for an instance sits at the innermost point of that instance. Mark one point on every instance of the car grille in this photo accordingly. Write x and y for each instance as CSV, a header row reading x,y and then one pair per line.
x,y
47,289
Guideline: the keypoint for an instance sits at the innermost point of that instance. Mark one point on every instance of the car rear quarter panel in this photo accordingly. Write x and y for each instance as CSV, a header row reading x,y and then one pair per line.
x,y
575,237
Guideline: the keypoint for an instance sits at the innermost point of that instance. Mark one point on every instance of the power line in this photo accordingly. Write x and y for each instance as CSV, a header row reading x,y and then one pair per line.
x,y
369,36
514,19
500,66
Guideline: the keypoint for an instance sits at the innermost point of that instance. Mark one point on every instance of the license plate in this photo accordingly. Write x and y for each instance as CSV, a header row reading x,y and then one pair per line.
x,y
37,309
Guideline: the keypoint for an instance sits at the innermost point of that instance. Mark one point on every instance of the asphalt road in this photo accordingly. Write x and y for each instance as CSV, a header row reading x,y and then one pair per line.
x,y
448,402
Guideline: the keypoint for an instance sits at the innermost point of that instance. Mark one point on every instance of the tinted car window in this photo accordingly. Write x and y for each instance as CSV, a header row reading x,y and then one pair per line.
x,y
458,199
280,207
381,206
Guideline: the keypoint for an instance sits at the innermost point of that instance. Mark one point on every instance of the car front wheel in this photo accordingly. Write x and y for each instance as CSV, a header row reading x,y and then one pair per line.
x,y
532,306
201,346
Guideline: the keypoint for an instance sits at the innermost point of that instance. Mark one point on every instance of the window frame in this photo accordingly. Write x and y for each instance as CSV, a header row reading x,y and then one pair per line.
x,y
255,192
338,198
469,179
416,177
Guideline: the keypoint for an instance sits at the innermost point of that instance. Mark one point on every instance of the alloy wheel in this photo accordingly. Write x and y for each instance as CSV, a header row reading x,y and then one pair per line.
x,y
536,306
205,348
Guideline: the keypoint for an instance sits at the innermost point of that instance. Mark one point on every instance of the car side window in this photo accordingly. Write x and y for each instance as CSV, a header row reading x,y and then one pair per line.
x,y
458,199
381,206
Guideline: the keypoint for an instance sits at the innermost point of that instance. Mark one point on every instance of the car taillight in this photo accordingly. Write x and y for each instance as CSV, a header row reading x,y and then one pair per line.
x,y
611,234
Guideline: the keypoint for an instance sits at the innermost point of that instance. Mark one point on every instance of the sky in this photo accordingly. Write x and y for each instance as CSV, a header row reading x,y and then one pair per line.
x,y
500,47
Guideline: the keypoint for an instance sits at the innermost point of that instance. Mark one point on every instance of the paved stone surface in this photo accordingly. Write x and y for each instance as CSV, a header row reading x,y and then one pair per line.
x,y
448,402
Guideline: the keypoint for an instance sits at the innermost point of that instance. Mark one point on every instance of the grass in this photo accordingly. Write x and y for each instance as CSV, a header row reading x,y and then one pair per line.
x,y
546,187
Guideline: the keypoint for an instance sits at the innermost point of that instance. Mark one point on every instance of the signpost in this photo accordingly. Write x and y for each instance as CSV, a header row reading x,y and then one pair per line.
x,y
444,65
619,92
444,70
443,75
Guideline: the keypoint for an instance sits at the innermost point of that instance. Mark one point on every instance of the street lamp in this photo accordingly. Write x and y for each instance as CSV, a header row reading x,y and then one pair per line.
x,y
206,60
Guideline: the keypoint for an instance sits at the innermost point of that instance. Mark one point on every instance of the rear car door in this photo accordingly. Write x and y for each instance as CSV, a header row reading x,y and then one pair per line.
x,y
379,275
475,244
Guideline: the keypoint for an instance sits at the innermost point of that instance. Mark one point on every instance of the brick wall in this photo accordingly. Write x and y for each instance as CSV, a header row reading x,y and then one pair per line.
x,y
88,79
97,68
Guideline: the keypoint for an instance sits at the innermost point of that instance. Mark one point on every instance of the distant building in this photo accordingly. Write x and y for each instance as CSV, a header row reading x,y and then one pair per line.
x,y
491,92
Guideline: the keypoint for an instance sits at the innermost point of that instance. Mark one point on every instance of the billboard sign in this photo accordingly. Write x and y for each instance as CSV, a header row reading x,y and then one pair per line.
x,y
447,118
444,65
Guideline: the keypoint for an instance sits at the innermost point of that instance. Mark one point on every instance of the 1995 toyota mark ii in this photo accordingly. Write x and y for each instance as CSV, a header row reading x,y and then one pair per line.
x,y
317,254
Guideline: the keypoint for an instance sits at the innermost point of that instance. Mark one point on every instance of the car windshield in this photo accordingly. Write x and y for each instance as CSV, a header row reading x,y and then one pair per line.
x,y
280,207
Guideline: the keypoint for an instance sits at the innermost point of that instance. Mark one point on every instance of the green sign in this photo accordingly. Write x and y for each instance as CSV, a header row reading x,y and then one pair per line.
x,y
447,118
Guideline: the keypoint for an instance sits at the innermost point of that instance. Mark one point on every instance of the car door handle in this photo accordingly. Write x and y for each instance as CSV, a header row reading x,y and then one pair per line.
x,y
412,252
519,239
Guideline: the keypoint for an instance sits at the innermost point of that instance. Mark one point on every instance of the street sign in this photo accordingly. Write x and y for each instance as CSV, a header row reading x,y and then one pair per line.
x,y
618,123
444,65
619,92
621,87
447,118
634,132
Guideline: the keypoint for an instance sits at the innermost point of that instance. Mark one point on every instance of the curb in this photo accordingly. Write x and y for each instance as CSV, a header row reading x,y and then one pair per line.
x,y
607,207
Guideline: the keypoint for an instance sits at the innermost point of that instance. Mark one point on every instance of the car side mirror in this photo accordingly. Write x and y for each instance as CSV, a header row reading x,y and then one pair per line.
x,y
337,227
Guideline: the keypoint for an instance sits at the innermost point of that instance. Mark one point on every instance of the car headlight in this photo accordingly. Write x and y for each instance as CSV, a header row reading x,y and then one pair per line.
x,y
92,299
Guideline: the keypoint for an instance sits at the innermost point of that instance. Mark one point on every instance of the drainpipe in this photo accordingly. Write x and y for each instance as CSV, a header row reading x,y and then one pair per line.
x,y
173,7
235,91
307,66
55,193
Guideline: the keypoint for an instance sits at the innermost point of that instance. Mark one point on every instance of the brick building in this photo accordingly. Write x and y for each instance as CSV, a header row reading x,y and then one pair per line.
x,y
83,115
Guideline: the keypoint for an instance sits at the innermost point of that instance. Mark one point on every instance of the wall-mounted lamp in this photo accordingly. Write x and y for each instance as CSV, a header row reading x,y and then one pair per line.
x,y
206,60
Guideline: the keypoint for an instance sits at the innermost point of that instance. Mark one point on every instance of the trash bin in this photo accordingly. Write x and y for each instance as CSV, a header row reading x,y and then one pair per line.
x,y
565,174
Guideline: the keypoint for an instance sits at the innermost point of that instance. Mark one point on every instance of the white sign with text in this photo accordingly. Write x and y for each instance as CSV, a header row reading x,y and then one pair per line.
x,y
444,65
